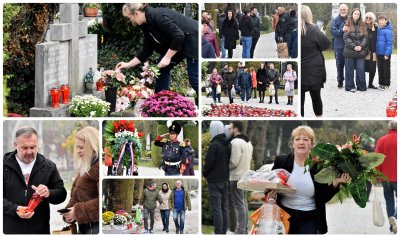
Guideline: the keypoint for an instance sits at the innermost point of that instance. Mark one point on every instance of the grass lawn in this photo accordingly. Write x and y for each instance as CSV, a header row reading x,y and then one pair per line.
x,y
150,164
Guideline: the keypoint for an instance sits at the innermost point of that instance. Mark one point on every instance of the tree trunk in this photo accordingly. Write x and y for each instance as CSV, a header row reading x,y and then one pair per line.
x,y
120,196
257,132
279,141
139,187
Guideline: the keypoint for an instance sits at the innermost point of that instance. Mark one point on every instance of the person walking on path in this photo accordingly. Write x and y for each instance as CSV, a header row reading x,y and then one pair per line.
x,y
255,34
273,79
313,42
261,82
210,37
230,32
149,201
179,202
216,172
246,29
240,160
338,42
355,49
384,51
387,145
165,192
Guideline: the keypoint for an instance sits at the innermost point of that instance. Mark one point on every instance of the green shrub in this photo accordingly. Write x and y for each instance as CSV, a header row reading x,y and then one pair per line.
x,y
206,214
155,150
265,24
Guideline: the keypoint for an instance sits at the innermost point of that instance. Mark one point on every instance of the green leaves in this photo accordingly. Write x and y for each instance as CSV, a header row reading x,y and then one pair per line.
x,y
349,166
358,190
326,175
371,160
325,151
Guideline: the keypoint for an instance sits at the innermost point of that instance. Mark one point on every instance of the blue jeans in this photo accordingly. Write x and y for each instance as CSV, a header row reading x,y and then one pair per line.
x,y
245,93
163,80
223,50
359,65
293,44
246,43
339,65
181,213
215,95
390,194
165,217
218,203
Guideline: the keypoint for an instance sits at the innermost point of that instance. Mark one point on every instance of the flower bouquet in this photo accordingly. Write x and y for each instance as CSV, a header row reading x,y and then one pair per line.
x,y
112,79
124,143
168,104
88,106
149,75
119,219
107,217
124,213
333,160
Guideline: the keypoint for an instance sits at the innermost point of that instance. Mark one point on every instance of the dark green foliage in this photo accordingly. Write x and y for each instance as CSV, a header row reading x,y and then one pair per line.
x,y
206,214
155,150
266,24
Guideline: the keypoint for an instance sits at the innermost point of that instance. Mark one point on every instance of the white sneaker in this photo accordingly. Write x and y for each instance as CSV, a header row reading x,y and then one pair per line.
x,y
353,90
393,224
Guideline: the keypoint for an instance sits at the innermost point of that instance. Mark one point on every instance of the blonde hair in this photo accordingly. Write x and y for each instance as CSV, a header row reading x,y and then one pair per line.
x,y
302,129
306,18
131,8
372,15
90,137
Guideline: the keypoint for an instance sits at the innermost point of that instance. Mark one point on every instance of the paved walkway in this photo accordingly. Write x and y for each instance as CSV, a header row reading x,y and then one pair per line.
x,y
265,48
340,103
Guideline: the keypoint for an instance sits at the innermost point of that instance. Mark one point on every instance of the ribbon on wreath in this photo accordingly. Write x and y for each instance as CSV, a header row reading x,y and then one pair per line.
x,y
121,156
132,155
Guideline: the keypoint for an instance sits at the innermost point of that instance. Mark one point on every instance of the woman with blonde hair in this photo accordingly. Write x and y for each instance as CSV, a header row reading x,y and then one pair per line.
x,y
84,203
370,59
313,42
307,206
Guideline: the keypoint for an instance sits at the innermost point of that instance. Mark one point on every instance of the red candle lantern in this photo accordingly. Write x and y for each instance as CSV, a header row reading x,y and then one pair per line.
x,y
65,93
55,97
99,85
34,202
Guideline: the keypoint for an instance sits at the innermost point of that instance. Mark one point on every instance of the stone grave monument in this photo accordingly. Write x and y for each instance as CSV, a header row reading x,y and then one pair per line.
x,y
65,59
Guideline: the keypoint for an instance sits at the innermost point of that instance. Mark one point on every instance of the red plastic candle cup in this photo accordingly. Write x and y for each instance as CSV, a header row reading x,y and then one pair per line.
x,y
99,85
55,97
65,93
34,202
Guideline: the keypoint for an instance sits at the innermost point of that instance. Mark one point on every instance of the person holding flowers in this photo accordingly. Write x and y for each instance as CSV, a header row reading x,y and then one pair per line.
x,y
172,35
307,206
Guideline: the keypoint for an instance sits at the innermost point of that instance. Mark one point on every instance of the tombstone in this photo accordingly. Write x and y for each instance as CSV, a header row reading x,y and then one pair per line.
x,y
65,59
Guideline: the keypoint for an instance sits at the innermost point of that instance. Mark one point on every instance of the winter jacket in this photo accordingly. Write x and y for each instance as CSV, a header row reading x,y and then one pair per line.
x,y
216,167
230,79
246,26
207,50
245,80
255,20
149,199
85,196
224,74
17,193
337,31
241,156
290,77
165,198
171,201
353,38
214,78
283,26
372,38
167,29
384,40
323,192
312,60
273,77
387,145
210,36
230,31
261,77
253,79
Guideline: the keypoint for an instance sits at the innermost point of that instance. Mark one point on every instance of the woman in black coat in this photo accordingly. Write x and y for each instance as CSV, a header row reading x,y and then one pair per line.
x,y
230,83
370,59
230,30
169,33
262,82
306,207
313,73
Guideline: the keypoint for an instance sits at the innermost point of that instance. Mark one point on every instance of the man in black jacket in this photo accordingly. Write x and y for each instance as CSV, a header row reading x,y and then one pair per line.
x,y
282,30
216,171
246,28
26,172
255,34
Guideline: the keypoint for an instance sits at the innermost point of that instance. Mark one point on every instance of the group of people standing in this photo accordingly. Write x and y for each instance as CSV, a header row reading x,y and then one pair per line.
x,y
359,45
247,81
176,200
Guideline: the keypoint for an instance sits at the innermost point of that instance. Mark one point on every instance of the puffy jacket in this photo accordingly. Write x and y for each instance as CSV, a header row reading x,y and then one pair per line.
x,y
214,78
283,25
245,80
337,31
384,40
230,79
216,168
17,193
353,38
149,199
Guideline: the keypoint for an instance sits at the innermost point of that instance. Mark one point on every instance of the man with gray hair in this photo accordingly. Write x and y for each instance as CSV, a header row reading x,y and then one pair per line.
x,y
25,172
338,42
179,202
387,145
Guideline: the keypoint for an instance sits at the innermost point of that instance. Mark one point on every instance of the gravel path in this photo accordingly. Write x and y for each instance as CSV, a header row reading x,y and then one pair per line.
x,y
340,103
265,48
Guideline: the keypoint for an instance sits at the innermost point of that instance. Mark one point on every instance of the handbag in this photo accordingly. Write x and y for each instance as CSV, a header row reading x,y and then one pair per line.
x,y
271,90
68,230
282,50
219,89
287,86
377,212
233,92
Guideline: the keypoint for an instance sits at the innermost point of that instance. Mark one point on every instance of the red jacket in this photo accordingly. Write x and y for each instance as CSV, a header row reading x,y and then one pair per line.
x,y
387,145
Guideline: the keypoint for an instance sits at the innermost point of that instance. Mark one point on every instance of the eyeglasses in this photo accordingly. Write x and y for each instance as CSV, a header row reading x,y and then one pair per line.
x,y
368,17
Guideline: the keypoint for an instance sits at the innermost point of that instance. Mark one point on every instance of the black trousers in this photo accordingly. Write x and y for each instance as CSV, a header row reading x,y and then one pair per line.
x,y
302,222
383,70
254,41
315,94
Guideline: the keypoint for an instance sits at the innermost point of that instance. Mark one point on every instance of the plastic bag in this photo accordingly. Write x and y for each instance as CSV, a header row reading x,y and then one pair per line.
x,y
138,217
262,180
218,89
287,86
233,92
377,212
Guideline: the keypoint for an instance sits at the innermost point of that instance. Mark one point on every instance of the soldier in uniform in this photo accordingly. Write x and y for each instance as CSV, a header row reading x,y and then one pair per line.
x,y
172,151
